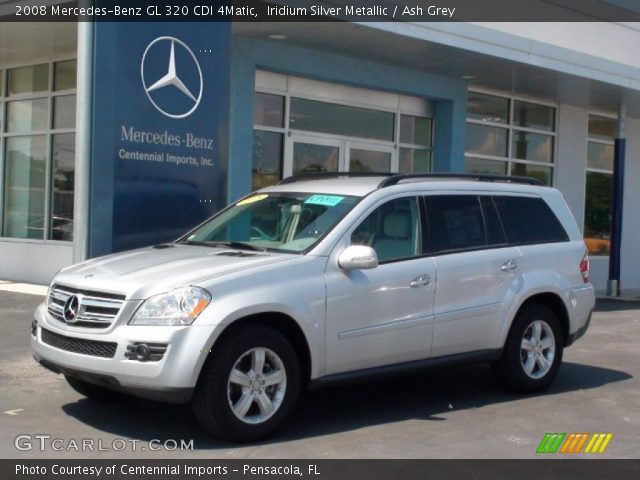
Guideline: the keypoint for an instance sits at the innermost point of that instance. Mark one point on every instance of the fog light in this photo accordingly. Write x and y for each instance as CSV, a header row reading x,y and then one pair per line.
x,y
142,351
146,352
34,328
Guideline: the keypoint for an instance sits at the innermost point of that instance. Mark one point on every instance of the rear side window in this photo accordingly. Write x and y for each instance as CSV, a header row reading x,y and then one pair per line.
x,y
529,220
455,222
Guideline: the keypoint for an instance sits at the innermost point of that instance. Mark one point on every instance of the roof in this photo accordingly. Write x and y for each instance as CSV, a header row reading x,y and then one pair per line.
x,y
361,186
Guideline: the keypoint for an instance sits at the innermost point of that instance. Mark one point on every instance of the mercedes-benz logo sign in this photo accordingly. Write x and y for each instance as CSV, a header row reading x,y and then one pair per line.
x,y
172,79
71,309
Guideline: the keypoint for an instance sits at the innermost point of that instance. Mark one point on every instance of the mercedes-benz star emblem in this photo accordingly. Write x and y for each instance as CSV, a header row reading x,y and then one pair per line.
x,y
172,78
71,309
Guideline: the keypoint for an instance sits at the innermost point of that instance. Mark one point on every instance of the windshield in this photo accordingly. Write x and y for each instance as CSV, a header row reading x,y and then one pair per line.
x,y
291,222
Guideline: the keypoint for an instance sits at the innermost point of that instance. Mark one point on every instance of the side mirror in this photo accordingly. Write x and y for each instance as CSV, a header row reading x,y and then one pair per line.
x,y
358,257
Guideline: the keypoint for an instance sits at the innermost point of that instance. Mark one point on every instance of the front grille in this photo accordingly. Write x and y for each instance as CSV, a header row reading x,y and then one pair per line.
x,y
96,309
94,348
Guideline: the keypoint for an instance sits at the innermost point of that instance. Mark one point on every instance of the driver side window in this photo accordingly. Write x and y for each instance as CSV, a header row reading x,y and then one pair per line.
x,y
392,230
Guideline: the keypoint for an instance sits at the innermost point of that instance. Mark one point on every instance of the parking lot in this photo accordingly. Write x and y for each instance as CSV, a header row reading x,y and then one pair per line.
x,y
457,412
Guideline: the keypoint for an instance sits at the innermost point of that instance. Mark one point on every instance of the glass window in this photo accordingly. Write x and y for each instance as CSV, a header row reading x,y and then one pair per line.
x,y
311,115
602,128
486,140
361,160
24,186
63,153
511,142
65,75
310,158
487,108
484,165
600,155
415,130
544,174
495,232
532,146
597,215
34,78
64,111
276,221
28,115
268,110
414,161
540,226
455,222
267,159
392,230
1,85
533,115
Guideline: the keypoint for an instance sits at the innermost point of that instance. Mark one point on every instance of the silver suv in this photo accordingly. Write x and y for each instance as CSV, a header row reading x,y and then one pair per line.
x,y
324,278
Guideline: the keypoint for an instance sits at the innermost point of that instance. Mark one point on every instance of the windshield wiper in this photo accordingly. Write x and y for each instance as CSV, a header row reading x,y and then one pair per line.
x,y
231,244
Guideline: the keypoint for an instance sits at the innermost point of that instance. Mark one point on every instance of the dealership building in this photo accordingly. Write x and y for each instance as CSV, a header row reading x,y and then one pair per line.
x,y
118,135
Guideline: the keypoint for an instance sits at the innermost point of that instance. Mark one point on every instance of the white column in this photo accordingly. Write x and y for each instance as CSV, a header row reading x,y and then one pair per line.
x,y
83,141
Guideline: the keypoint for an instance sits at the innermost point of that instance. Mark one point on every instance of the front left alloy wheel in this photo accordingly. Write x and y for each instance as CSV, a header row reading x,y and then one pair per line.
x,y
249,385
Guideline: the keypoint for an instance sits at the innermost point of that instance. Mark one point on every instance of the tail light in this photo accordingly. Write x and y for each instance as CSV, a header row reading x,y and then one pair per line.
x,y
584,268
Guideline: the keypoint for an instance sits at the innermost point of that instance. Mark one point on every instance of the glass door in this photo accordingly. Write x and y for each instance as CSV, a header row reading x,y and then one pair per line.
x,y
367,157
309,154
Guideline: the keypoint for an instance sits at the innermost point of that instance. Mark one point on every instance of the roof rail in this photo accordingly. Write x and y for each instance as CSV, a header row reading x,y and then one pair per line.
x,y
483,177
321,175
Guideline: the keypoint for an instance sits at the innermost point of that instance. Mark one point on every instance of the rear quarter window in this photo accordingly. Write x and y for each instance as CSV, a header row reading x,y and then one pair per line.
x,y
528,220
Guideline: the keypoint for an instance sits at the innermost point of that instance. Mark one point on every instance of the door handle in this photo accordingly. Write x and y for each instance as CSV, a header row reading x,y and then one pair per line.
x,y
420,281
509,265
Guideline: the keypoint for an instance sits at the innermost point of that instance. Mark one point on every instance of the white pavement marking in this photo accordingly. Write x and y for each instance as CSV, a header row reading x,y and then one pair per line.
x,y
27,288
14,412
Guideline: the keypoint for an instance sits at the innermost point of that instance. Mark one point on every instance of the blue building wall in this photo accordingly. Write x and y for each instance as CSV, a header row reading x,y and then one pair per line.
x,y
449,97
135,201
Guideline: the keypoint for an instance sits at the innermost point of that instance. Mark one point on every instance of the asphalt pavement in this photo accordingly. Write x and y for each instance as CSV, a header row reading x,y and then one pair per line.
x,y
457,412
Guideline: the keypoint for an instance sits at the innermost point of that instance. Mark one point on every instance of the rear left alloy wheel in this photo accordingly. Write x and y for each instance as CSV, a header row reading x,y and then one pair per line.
x,y
533,352
248,386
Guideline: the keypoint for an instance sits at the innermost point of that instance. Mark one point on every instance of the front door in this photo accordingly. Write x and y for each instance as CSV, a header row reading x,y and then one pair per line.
x,y
383,315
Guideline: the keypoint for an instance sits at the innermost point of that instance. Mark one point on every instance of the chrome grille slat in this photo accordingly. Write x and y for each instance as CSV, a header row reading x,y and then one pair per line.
x,y
96,311
101,302
91,318
56,307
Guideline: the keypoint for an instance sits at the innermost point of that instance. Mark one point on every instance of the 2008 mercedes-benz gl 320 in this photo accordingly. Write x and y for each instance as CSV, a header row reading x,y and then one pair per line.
x,y
318,279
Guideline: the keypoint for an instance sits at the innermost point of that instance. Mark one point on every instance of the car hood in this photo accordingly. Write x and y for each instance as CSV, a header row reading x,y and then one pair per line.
x,y
147,271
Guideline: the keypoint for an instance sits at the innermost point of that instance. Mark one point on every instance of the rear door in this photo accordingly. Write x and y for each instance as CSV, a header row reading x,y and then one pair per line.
x,y
478,273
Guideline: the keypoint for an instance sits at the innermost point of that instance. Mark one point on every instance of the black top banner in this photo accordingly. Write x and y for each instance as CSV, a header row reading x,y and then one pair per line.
x,y
322,11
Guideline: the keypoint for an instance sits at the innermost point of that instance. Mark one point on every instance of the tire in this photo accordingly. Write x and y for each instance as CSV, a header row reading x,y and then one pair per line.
x,y
533,367
92,391
217,393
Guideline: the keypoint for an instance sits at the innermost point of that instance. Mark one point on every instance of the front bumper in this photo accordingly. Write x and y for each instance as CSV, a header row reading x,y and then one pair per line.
x,y
175,373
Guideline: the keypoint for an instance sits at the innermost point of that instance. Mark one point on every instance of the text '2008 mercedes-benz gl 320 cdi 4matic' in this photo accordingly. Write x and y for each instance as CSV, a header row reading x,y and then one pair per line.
x,y
323,278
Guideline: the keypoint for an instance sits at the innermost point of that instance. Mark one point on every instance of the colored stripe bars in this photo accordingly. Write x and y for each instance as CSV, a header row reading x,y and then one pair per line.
x,y
574,443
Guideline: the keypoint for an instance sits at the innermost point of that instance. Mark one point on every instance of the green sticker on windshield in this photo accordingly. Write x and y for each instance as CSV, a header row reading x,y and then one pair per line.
x,y
326,200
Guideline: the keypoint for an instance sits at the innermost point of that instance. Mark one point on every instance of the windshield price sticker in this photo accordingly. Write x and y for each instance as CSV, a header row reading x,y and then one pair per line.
x,y
326,200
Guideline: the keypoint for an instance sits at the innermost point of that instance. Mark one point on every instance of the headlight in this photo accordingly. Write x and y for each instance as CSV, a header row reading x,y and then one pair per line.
x,y
177,307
